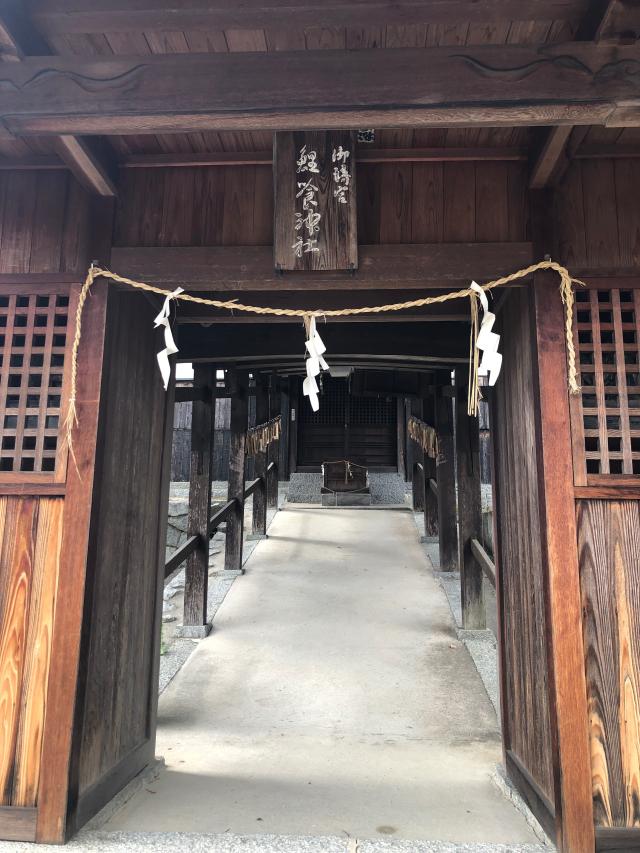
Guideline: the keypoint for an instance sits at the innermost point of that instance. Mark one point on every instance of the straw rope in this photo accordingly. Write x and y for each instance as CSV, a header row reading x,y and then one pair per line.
x,y
566,291
424,436
261,436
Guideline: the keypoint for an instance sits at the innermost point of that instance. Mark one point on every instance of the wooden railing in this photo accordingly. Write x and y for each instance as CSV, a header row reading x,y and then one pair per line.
x,y
220,514
484,561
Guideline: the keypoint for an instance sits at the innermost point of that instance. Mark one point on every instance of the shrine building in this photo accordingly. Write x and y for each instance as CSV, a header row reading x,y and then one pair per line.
x,y
293,200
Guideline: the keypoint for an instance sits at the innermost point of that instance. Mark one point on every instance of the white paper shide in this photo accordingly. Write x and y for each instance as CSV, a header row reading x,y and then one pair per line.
x,y
315,363
170,347
487,341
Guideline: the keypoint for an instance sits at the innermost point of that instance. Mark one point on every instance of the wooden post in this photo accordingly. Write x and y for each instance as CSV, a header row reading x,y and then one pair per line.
x,y
469,511
573,801
273,453
446,479
259,527
400,427
417,487
429,469
200,472
294,416
239,387
285,428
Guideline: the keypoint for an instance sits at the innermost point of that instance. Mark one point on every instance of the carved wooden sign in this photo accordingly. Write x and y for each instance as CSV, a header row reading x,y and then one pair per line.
x,y
315,224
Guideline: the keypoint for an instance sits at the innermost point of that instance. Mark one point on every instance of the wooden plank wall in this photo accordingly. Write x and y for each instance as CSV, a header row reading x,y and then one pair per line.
x,y
597,216
526,675
397,203
442,203
181,448
30,538
44,222
114,727
609,552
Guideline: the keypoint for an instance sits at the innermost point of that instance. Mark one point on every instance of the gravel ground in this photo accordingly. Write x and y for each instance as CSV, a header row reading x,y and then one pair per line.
x,y
141,842
386,488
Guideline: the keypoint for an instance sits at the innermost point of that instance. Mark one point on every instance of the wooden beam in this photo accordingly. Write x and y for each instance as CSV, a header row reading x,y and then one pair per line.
x,y
411,265
621,20
365,155
85,164
18,40
18,36
98,16
554,156
501,85
448,342
549,156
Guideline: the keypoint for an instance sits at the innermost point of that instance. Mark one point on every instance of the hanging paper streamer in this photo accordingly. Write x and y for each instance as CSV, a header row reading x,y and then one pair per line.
x,y
315,362
170,347
487,341
261,436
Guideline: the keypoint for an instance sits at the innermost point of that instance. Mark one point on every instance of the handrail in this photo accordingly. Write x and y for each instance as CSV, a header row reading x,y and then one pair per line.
x,y
253,485
180,555
271,466
187,548
219,516
484,561
433,485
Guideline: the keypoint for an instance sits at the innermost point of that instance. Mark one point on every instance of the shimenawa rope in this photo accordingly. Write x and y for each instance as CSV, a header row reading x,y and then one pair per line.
x,y
566,291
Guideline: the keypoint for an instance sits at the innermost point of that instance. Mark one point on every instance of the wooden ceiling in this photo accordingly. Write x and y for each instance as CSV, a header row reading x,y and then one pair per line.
x,y
123,31
315,38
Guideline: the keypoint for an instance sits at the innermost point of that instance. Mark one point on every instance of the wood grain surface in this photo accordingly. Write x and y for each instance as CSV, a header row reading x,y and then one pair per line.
x,y
609,549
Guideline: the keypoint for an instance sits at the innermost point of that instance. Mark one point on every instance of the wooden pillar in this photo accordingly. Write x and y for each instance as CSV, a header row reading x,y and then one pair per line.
x,y
273,453
574,804
413,455
259,527
200,475
239,388
446,479
469,511
400,428
429,470
294,416
285,413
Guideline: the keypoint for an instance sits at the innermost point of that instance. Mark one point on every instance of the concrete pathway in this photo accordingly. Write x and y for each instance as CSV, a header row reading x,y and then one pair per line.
x,y
332,699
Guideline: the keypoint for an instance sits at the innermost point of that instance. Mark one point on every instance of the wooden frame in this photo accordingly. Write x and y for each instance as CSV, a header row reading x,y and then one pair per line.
x,y
606,432
34,310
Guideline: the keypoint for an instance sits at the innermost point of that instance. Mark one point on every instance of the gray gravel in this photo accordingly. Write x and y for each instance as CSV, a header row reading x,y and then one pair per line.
x,y
387,488
168,842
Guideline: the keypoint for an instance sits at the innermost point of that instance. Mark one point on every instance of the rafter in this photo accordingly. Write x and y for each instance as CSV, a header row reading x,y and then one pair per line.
x,y
18,40
603,20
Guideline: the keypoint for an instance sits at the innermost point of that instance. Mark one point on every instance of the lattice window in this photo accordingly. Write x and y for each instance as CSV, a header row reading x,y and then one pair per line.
x,y
34,344
606,416
372,411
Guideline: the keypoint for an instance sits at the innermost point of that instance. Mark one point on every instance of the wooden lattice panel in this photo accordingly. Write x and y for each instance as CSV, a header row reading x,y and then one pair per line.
x,y
34,355
606,415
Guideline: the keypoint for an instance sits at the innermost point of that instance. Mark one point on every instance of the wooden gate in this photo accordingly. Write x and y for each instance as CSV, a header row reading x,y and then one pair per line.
x,y
361,429
81,554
